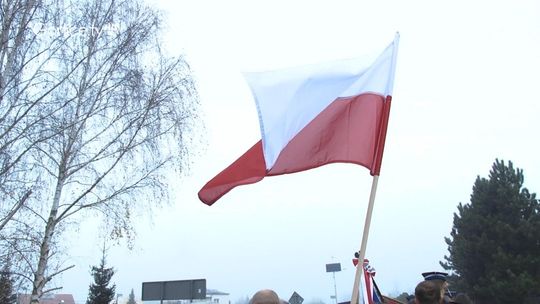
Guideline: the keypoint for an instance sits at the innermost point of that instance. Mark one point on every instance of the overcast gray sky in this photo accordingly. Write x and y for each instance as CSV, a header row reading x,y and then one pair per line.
x,y
464,94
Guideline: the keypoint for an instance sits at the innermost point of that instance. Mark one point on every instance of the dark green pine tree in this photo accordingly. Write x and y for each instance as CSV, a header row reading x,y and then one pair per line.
x,y
100,292
494,244
7,296
131,299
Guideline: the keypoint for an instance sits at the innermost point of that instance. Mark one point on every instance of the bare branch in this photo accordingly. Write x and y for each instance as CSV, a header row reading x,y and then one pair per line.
x,y
15,208
52,289
49,277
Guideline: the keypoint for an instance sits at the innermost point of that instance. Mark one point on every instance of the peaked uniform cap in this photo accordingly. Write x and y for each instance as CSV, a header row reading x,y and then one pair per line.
x,y
435,275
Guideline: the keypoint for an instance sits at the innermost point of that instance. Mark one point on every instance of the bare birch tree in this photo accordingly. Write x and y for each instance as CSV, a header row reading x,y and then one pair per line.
x,y
25,86
110,115
19,115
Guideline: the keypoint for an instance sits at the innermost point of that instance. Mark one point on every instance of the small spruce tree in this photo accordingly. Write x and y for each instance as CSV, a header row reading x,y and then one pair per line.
x,y
100,292
6,286
131,299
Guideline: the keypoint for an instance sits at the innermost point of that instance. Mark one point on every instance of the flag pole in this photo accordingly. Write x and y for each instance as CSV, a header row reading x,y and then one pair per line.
x,y
362,254
375,172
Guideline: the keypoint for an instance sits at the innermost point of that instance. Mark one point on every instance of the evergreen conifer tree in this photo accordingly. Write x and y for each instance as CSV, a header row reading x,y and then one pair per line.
x,y
100,292
494,244
7,296
131,299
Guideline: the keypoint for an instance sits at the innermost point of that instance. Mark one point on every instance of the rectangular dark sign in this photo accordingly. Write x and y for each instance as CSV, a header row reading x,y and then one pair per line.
x,y
334,267
174,290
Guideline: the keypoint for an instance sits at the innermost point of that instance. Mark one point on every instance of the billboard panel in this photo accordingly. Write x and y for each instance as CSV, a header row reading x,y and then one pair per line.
x,y
334,267
151,291
174,290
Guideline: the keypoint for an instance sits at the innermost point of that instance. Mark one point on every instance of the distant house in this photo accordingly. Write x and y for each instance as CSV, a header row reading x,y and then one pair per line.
x,y
213,296
217,297
47,299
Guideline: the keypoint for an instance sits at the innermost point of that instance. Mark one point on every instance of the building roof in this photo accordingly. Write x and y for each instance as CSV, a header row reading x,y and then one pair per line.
x,y
48,299
215,292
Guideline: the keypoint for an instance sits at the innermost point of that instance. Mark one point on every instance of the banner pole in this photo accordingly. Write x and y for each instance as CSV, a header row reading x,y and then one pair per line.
x,y
375,172
362,253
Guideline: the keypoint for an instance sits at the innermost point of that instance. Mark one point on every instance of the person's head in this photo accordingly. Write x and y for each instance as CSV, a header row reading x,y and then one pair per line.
x,y
265,296
439,278
461,298
427,292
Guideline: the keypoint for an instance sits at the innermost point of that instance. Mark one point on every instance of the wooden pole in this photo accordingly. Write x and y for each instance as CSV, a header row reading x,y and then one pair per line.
x,y
375,170
362,254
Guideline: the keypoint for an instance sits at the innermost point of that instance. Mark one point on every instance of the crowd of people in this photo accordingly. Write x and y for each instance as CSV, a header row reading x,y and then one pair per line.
x,y
432,290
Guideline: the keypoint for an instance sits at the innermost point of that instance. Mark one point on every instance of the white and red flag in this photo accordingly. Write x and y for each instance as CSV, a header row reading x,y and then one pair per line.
x,y
312,116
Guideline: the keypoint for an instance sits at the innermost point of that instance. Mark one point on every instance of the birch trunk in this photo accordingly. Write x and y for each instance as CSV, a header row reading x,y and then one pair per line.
x,y
40,279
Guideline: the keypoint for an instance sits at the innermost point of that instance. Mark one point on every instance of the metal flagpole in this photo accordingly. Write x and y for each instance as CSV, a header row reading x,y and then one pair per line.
x,y
362,254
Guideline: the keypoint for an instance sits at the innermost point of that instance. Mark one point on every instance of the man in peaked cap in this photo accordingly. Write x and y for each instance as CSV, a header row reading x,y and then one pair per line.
x,y
438,278
427,292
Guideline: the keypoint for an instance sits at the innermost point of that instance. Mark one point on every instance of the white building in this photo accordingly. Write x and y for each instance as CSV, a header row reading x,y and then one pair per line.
x,y
213,296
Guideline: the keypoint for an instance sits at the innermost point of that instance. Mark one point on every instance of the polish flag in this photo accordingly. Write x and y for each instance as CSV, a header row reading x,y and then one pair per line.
x,y
312,116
